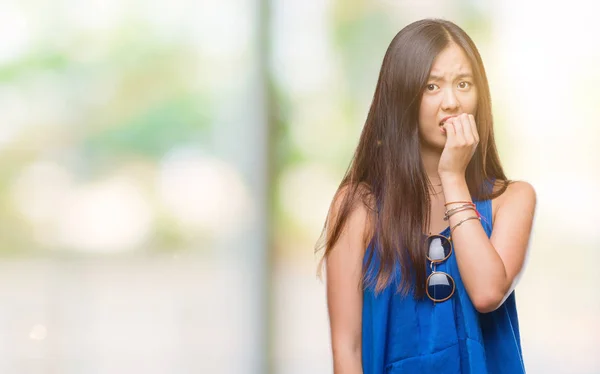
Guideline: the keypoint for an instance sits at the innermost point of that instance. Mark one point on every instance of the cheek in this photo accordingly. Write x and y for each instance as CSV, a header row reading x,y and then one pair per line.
x,y
427,111
468,104
472,103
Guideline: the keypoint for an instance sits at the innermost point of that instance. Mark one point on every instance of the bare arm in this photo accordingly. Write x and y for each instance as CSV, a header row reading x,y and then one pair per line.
x,y
344,290
491,267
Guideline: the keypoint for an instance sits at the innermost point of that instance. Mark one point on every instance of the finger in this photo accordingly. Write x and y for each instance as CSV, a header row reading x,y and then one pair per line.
x,y
467,130
450,130
474,127
460,133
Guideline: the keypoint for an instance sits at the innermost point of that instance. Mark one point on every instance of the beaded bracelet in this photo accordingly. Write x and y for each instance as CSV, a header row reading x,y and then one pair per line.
x,y
461,222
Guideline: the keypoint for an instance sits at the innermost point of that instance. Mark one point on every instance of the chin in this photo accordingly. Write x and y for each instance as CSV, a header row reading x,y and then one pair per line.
x,y
436,145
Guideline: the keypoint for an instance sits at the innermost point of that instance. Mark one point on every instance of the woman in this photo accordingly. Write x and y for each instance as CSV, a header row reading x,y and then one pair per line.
x,y
426,237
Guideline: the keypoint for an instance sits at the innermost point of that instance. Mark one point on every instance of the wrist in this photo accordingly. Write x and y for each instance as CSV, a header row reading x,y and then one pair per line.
x,y
451,176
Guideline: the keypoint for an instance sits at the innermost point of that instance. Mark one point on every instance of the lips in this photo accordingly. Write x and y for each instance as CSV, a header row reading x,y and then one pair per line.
x,y
445,119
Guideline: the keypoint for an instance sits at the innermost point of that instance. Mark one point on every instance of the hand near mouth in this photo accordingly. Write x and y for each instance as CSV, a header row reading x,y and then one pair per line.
x,y
461,142
443,121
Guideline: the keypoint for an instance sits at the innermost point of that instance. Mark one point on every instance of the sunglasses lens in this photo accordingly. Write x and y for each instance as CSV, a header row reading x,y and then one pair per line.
x,y
440,286
438,248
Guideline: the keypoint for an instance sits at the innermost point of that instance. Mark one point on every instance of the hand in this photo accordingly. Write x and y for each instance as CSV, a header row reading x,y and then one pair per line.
x,y
461,141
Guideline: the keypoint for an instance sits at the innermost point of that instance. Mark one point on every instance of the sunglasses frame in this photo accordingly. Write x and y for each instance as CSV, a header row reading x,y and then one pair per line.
x,y
436,262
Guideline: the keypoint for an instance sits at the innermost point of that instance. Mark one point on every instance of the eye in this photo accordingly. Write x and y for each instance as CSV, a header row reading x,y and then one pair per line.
x,y
431,87
464,85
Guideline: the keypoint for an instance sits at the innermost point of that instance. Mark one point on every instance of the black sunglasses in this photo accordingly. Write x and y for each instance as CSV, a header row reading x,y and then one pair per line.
x,y
440,286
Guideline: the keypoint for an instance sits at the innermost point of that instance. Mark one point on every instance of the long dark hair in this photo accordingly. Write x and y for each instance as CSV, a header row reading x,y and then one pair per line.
x,y
386,173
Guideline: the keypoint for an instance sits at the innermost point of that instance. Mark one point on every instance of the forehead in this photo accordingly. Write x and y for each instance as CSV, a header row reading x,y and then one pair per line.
x,y
451,60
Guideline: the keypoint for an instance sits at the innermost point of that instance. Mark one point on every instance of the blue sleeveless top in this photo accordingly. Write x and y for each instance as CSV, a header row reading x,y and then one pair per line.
x,y
405,335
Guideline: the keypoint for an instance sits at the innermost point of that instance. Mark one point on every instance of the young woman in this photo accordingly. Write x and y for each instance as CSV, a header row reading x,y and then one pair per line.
x,y
426,237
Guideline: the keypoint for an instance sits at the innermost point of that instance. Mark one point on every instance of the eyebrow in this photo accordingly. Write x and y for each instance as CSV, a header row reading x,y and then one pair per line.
x,y
461,75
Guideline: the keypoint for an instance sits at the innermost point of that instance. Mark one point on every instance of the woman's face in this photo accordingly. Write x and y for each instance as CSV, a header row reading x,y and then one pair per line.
x,y
450,91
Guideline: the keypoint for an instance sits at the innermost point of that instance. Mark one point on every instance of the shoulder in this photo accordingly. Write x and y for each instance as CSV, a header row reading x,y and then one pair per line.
x,y
518,192
355,205
358,197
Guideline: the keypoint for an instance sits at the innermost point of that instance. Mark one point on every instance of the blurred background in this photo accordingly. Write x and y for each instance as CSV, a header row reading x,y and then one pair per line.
x,y
166,168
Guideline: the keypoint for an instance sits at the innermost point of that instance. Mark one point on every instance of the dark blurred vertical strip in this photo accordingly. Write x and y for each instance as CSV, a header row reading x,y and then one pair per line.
x,y
266,98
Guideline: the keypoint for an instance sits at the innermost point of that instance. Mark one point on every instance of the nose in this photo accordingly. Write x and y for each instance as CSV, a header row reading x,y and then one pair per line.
x,y
450,101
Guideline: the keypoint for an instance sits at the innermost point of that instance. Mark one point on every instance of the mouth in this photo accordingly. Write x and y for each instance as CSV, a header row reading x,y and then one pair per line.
x,y
444,120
